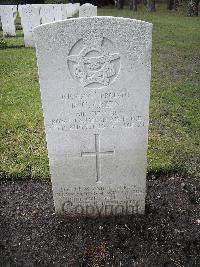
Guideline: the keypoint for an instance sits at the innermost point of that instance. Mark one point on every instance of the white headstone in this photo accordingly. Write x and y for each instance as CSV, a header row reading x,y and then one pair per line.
x,y
95,87
37,5
69,10
8,15
73,9
64,11
77,6
58,12
30,18
87,10
19,8
47,13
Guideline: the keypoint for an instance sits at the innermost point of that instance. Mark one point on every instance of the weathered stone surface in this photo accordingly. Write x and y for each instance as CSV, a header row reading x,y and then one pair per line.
x,y
95,87
8,15
87,10
30,18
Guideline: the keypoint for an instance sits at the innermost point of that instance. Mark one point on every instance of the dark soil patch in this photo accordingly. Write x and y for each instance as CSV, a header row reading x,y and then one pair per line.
x,y
167,235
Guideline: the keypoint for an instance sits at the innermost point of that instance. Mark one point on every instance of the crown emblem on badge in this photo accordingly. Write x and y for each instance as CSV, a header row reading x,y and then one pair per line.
x,y
93,65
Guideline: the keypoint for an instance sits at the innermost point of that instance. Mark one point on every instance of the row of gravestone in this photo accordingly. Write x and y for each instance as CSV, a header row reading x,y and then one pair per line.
x,y
36,14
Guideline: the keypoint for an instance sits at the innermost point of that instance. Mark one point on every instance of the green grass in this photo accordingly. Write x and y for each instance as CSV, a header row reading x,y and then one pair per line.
x,y
174,108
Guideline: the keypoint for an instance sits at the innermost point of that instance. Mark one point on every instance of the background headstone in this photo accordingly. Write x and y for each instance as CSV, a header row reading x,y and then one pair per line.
x,y
47,13
8,15
69,10
95,87
77,6
30,18
64,11
19,8
87,10
58,12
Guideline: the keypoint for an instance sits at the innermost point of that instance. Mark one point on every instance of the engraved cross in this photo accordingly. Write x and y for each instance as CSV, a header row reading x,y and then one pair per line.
x,y
97,153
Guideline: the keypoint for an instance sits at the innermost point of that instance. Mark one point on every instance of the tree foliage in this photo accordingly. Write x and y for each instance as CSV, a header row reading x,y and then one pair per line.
x,y
20,2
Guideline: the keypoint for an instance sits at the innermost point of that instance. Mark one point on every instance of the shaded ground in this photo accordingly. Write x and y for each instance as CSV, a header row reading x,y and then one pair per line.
x,y
167,235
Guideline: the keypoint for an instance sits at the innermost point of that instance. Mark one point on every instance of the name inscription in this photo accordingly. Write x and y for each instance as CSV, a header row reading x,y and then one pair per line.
x,y
97,110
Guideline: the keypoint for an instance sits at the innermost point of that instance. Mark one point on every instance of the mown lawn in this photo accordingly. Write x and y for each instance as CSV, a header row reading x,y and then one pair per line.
x,y
174,109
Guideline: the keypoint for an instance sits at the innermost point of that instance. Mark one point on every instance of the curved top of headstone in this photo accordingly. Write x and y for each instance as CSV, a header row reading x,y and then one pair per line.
x,y
94,20
87,4
90,43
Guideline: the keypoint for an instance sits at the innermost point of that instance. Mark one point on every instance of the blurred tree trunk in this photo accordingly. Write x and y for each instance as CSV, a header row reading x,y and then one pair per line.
x,y
145,2
192,10
172,4
120,4
175,5
151,6
133,5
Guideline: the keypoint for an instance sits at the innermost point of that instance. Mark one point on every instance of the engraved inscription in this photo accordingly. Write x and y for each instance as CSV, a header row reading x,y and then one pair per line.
x,y
97,154
102,200
97,193
93,65
104,119
97,100
96,110
95,120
